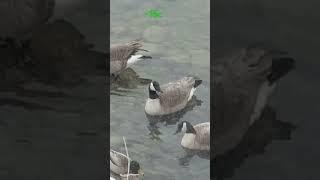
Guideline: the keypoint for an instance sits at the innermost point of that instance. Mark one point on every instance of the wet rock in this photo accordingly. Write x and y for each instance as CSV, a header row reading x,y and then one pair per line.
x,y
129,79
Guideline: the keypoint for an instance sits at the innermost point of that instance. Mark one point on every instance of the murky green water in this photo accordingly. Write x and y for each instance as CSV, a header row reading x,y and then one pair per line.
x,y
179,44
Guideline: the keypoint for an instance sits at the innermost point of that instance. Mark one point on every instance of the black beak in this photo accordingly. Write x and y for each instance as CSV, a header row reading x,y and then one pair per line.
x,y
280,67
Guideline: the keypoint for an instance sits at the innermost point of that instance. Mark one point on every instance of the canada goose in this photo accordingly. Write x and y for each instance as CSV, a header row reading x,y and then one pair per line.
x,y
195,137
171,97
255,141
124,55
20,17
244,82
119,165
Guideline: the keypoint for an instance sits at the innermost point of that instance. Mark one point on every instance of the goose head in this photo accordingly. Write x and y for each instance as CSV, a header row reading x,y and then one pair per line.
x,y
154,90
185,127
256,63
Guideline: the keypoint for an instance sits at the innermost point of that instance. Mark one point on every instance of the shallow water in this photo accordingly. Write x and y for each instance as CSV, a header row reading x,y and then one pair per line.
x,y
179,44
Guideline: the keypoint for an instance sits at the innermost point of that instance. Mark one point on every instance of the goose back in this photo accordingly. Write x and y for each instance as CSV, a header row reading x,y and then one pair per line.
x,y
119,55
203,135
200,140
176,94
240,93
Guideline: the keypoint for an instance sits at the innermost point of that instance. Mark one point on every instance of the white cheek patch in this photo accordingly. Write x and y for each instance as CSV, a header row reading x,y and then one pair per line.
x,y
184,127
152,87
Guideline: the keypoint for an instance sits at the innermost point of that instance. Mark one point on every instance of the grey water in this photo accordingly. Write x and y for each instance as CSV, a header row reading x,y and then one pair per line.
x,y
289,26
179,43
52,132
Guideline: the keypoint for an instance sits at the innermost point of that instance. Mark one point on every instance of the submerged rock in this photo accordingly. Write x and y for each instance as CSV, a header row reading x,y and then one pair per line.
x,y
129,79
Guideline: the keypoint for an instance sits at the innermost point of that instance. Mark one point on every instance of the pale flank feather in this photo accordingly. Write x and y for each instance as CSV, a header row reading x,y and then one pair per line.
x,y
153,106
244,83
203,135
176,94
118,162
263,96
133,59
200,140
191,93
124,55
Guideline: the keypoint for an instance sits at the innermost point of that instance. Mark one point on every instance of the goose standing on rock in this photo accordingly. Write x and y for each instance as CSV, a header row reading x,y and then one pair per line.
x,y
244,83
119,166
171,97
124,55
195,137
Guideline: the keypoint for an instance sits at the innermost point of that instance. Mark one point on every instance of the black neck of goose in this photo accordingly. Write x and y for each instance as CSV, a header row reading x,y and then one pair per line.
x,y
190,129
153,94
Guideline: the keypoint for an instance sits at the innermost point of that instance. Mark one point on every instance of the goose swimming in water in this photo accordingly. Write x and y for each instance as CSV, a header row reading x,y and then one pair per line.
x,y
171,97
244,83
195,137
124,55
119,166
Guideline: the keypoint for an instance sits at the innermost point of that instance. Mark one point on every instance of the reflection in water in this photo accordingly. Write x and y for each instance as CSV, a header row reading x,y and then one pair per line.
x,y
170,119
44,110
32,106
53,61
189,154
240,95
254,142
128,79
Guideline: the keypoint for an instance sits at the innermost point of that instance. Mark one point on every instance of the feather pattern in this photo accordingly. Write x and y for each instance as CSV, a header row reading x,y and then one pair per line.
x,y
176,93
244,82
120,54
118,162
200,140
174,97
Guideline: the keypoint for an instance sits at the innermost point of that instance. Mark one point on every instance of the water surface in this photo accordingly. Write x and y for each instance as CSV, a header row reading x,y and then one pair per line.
x,y
179,44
